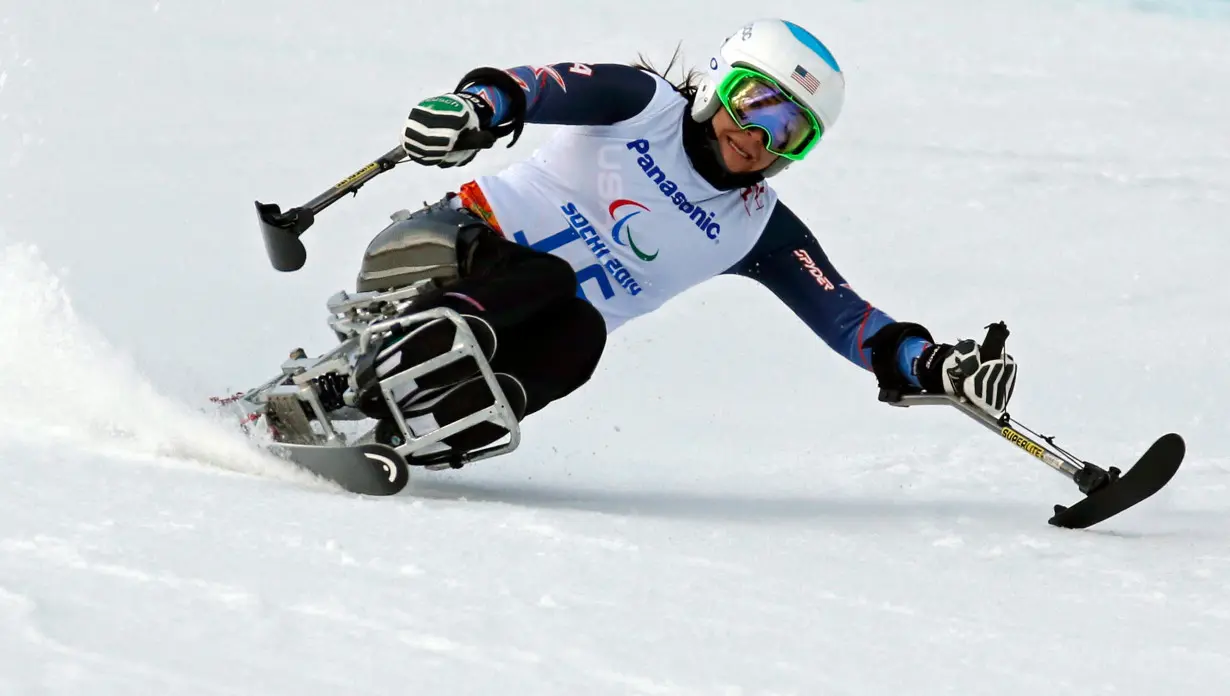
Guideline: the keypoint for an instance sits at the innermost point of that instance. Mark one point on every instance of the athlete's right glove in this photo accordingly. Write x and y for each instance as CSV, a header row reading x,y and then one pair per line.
x,y
448,130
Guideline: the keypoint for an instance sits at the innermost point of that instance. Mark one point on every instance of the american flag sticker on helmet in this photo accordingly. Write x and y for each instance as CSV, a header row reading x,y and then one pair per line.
x,y
809,81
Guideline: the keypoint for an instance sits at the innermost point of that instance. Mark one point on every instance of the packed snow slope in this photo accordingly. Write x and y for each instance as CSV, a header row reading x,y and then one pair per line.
x,y
725,509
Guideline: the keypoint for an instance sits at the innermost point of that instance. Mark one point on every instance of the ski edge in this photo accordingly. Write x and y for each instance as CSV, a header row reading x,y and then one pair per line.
x,y
370,469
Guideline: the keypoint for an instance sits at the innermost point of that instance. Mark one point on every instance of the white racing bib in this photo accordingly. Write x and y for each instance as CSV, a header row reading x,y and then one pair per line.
x,y
623,205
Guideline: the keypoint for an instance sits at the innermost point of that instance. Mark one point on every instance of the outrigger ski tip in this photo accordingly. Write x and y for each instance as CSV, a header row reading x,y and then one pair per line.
x,y
1117,493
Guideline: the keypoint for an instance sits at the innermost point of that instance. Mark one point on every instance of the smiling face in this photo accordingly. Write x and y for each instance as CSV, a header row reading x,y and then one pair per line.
x,y
742,150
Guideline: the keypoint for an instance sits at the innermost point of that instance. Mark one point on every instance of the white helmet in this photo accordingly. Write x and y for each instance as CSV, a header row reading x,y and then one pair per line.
x,y
789,54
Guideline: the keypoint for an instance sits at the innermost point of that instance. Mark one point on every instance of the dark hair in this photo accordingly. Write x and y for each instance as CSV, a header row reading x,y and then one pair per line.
x,y
686,86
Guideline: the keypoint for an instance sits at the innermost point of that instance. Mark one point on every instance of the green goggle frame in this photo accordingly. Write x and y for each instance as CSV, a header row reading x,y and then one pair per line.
x,y
755,100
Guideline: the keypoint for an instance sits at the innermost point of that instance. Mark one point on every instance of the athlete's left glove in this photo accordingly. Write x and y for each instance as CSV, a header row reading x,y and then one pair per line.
x,y
983,375
448,130
986,381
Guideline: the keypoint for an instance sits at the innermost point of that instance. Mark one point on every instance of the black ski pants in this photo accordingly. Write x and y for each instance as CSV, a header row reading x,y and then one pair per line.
x,y
547,337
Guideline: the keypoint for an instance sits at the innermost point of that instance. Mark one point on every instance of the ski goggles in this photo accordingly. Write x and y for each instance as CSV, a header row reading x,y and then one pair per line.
x,y
754,99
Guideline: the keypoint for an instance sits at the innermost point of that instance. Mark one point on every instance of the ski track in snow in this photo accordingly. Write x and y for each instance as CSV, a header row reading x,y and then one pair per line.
x,y
679,526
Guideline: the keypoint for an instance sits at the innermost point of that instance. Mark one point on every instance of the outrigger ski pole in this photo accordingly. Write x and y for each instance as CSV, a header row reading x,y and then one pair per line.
x,y
1107,491
281,230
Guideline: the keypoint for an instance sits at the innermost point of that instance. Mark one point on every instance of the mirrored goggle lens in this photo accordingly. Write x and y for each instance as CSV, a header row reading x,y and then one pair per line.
x,y
754,102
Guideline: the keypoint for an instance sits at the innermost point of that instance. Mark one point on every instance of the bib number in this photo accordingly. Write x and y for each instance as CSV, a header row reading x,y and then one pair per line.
x,y
592,272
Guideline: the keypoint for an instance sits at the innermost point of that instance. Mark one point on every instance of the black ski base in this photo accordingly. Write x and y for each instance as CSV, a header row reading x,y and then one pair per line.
x,y
371,469
1149,475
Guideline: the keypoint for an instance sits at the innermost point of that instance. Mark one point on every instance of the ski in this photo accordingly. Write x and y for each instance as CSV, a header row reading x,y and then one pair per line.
x,y
369,469
1117,493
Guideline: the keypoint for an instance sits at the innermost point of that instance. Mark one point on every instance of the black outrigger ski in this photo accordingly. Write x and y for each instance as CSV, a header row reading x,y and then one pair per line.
x,y
1108,492
1112,493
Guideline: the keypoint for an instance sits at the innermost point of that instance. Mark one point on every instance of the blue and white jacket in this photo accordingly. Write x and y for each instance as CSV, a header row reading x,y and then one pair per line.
x,y
618,193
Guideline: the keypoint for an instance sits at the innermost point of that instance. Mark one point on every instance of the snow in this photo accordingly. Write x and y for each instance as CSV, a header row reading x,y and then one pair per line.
x,y
725,509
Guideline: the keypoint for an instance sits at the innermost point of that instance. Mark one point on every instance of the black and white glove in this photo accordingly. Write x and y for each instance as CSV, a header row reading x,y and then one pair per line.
x,y
966,370
448,130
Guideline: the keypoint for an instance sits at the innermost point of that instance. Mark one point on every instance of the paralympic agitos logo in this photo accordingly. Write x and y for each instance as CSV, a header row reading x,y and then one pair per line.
x,y
701,218
623,228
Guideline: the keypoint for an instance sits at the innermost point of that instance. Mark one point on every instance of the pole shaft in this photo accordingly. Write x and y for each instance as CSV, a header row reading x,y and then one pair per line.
x,y
355,181
1005,431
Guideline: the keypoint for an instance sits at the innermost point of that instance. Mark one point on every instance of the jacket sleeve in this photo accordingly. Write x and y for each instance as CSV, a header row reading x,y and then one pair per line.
x,y
790,262
576,94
